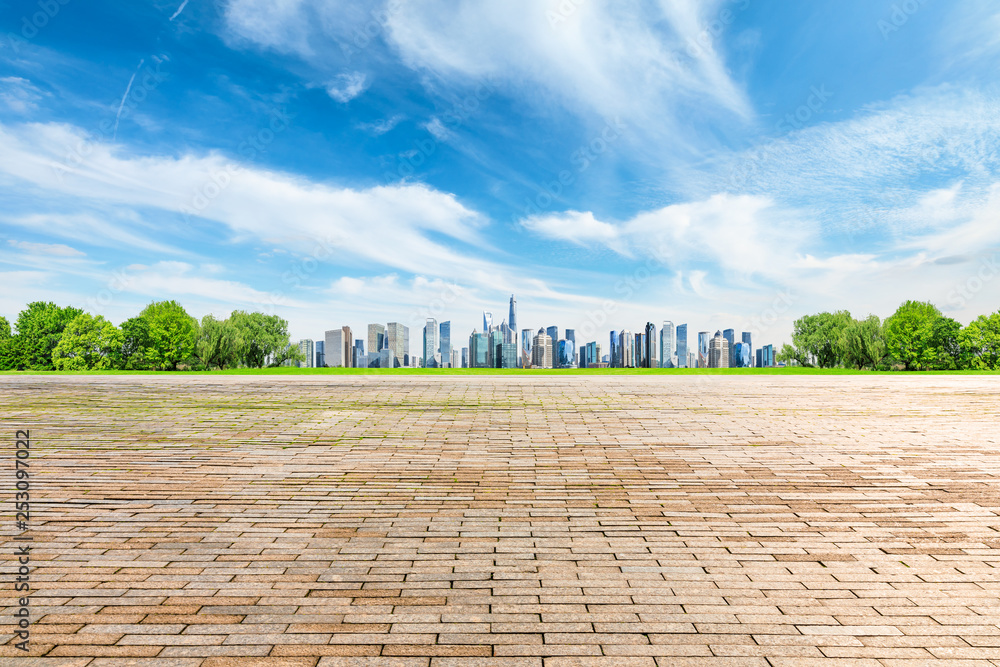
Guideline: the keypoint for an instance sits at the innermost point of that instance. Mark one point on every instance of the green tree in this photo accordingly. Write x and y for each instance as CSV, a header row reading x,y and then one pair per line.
x,y
816,337
6,345
39,328
171,335
264,339
945,343
861,343
219,343
789,354
87,343
132,355
980,342
918,336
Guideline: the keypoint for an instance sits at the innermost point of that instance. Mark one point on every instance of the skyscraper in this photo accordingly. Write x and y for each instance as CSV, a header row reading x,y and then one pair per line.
x,y
398,341
525,348
730,337
320,356
747,341
477,350
703,339
567,353
541,350
553,333
430,349
512,319
614,354
358,359
465,357
339,345
682,346
307,349
651,346
445,344
626,349
487,322
641,361
376,338
718,351
668,344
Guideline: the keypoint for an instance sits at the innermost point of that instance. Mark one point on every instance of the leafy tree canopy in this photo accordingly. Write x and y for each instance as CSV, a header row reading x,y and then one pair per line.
x,y
264,339
170,334
816,337
87,343
861,343
39,328
219,343
980,342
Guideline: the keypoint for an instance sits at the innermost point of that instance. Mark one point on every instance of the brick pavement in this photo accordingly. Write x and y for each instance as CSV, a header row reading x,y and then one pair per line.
x,y
508,521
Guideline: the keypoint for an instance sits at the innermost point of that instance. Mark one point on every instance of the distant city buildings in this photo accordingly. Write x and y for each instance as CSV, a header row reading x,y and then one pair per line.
x,y
504,346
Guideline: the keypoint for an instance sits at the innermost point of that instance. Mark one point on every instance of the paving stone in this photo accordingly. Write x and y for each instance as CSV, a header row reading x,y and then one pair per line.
x,y
422,521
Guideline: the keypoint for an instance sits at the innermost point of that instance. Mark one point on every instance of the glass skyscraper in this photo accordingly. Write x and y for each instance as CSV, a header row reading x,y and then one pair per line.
x,y
445,344
682,346
730,337
749,344
668,344
320,357
430,343
703,341
477,351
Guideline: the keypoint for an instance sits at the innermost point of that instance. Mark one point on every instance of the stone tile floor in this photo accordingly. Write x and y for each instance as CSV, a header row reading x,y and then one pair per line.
x,y
544,520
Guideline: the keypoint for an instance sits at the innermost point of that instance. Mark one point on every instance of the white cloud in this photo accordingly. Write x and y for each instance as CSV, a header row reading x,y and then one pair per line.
x,y
275,24
743,235
176,280
437,128
380,127
57,249
18,95
576,227
347,86
638,62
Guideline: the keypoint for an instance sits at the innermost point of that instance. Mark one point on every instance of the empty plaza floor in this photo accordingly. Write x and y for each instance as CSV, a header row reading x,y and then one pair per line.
x,y
545,521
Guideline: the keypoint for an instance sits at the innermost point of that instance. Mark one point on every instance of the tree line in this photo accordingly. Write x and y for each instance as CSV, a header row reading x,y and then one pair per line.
x,y
916,337
162,337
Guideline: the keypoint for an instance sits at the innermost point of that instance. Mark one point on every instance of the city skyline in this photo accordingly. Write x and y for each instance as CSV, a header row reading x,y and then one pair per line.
x,y
737,166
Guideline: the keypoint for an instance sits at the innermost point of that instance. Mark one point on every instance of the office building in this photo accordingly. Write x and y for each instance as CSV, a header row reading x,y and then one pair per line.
x,y
444,344
718,351
571,336
430,348
553,333
376,337
668,344
339,348
358,354
541,350
487,322
652,352
730,337
320,357
505,355
478,357
525,361
456,358
639,351
567,353
692,360
398,340
626,349
747,341
703,341
683,358
308,350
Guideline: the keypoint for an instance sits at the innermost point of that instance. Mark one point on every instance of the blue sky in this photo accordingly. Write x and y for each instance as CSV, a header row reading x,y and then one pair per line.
x,y
725,164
